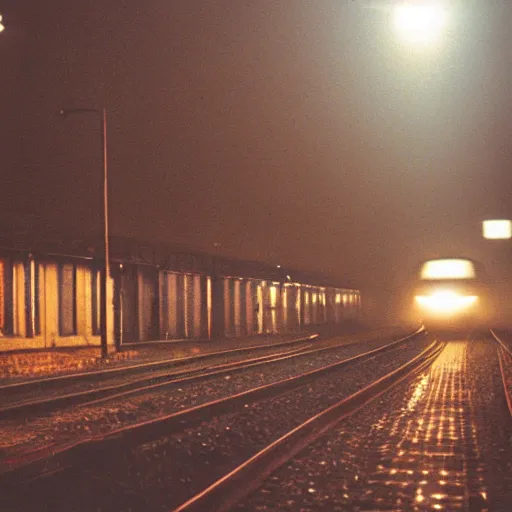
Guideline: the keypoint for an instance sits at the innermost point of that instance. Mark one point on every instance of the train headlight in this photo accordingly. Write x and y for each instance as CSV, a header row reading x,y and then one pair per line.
x,y
446,302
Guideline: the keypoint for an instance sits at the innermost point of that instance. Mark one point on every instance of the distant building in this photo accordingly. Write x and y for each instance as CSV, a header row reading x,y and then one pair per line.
x,y
50,295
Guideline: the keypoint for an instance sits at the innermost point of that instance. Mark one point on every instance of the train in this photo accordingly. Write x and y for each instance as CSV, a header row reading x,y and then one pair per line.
x,y
452,294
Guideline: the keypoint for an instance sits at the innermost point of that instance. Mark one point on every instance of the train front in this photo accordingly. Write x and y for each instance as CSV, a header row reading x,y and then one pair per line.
x,y
451,294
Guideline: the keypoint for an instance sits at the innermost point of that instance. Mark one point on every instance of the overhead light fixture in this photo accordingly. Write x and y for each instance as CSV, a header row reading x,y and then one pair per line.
x,y
420,22
497,229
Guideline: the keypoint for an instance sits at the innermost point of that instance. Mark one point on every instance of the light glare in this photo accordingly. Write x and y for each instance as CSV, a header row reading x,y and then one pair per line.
x,y
420,22
446,302
448,269
497,229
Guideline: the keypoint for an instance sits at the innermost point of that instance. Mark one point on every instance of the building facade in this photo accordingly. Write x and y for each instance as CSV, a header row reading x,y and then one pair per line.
x,y
53,300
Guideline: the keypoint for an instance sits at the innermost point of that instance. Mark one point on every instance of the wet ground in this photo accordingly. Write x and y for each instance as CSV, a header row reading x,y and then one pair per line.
x,y
441,441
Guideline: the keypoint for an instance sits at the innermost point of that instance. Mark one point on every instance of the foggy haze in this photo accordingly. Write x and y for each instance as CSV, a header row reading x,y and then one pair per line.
x,y
291,132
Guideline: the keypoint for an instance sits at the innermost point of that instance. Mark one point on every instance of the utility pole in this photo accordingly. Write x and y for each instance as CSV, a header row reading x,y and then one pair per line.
x,y
104,221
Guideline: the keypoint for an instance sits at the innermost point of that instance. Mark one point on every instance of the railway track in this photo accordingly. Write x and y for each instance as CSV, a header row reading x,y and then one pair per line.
x,y
113,373
59,457
157,379
18,398
505,359
228,490
142,385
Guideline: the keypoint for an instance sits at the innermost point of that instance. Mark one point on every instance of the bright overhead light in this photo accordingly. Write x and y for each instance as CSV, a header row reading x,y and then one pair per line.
x,y
498,229
421,21
2,28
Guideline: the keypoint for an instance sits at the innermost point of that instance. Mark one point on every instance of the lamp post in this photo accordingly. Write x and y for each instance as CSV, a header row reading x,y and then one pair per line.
x,y
104,220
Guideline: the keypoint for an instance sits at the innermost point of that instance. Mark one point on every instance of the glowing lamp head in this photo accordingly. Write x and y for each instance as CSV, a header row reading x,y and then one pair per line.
x,y
420,22
2,27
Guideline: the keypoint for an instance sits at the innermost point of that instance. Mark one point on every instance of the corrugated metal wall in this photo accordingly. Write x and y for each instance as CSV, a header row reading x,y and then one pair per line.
x,y
57,303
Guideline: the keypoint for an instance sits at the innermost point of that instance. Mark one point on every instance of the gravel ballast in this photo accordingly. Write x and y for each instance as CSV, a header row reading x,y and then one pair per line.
x,y
80,422
162,474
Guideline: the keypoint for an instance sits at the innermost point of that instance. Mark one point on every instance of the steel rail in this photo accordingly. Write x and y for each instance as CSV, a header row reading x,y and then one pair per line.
x,y
502,355
504,351
503,345
151,383
62,380
60,456
226,368
232,487
142,385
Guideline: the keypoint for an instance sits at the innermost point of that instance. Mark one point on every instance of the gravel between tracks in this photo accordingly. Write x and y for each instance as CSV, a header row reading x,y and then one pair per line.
x,y
82,422
126,373
16,367
123,378
162,474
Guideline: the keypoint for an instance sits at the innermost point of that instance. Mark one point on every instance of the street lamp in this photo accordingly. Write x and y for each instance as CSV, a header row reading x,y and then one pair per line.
x,y
420,22
104,221
2,26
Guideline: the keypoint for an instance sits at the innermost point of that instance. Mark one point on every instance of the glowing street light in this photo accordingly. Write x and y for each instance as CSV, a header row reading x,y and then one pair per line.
x,y
420,22
2,26
497,229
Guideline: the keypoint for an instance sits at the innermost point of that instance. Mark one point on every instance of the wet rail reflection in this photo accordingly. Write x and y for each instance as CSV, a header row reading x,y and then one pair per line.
x,y
431,459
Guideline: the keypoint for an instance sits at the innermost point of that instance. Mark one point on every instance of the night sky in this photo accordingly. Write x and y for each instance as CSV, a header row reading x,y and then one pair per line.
x,y
290,131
